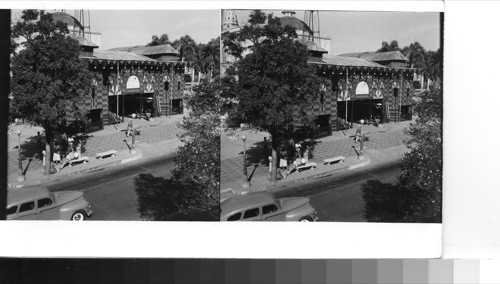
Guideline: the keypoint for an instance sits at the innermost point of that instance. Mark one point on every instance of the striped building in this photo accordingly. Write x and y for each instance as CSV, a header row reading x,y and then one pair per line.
x,y
358,89
137,80
370,85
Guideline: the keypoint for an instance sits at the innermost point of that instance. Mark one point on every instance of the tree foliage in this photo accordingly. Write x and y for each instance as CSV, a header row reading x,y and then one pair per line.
x,y
272,81
430,62
393,46
417,196
192,193
422,165
198,159
159,40
48,77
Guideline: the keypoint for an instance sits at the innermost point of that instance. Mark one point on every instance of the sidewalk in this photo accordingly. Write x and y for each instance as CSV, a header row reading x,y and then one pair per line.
x,y
384,143
157,137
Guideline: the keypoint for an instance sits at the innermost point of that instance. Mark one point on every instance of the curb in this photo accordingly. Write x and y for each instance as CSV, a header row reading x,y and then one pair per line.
x,y
367,162
62,176
277,186
131,159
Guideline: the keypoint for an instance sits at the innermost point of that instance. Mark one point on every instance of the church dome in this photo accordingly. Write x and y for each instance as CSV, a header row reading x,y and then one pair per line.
x,y
67,19
296,23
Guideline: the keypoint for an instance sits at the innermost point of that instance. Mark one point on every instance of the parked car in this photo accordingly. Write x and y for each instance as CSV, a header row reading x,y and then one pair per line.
x,y
262,206
39,203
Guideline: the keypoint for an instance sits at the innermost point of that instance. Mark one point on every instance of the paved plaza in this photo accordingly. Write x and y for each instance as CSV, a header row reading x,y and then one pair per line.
x,y
341,143
157,137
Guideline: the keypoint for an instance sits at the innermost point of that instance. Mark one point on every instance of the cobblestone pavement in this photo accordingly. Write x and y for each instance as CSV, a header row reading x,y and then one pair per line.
x,y
93,143
232,168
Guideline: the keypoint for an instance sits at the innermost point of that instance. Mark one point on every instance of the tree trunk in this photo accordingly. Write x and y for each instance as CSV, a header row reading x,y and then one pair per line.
x,y
48,152
275,157
47,158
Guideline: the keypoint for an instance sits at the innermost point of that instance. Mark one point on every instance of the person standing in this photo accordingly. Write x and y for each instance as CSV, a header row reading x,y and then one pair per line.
x,y
283,162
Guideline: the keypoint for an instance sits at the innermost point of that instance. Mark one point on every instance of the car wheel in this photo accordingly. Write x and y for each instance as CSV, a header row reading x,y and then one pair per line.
x,y
305,219
78,216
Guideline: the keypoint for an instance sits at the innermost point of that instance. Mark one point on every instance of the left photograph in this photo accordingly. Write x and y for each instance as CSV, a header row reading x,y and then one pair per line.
x,y
114,115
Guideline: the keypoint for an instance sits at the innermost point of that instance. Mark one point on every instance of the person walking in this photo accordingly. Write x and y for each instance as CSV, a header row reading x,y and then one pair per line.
x,y
358,131
265,149
39,141
130,127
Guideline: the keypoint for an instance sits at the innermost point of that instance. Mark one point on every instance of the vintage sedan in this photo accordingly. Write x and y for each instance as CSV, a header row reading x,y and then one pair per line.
x,y
39,203
262,206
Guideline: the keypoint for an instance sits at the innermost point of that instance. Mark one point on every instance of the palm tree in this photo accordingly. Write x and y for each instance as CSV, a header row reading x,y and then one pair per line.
x,y
211,57
155,40
186,47
416,54
393,46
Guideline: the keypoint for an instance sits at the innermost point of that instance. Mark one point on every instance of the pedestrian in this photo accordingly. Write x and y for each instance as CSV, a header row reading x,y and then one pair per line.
x,y
79,148
283,162
56,157
39,141
265,148
71,143
358,132
130,126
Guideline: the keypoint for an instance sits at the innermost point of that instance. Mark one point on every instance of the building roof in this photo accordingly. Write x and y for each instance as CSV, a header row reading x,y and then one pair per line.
x,y
349,61
296,23
118,56
378,56
83,41
148,50
312,46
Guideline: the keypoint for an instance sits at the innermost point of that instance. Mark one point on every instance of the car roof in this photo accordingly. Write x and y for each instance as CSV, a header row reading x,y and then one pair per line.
x,y
26,194
245,201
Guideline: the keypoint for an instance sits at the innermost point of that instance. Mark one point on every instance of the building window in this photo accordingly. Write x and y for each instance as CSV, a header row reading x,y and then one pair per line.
x,y
167,85
407,92
178,85
395,92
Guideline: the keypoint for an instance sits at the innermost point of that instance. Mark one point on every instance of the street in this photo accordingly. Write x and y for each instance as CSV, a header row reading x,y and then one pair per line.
x,y
111,191
340,198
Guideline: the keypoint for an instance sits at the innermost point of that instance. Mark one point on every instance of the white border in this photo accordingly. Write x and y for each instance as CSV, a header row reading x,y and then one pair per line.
x,y
218,240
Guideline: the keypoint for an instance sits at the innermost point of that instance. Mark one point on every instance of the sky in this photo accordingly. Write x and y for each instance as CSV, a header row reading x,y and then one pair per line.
x,y
136,27
365,31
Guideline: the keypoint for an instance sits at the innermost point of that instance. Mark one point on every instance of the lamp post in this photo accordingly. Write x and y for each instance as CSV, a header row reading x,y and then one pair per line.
x,y
20,178
361,141
246,183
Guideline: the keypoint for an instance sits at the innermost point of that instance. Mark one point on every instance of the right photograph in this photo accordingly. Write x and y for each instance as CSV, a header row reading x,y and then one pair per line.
x,y
332,116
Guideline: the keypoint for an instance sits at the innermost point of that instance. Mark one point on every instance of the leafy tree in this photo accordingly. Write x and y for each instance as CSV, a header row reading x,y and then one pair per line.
x,y
47,76
198,159
393,46
193,190
417,196
271,84
422,165
163,39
